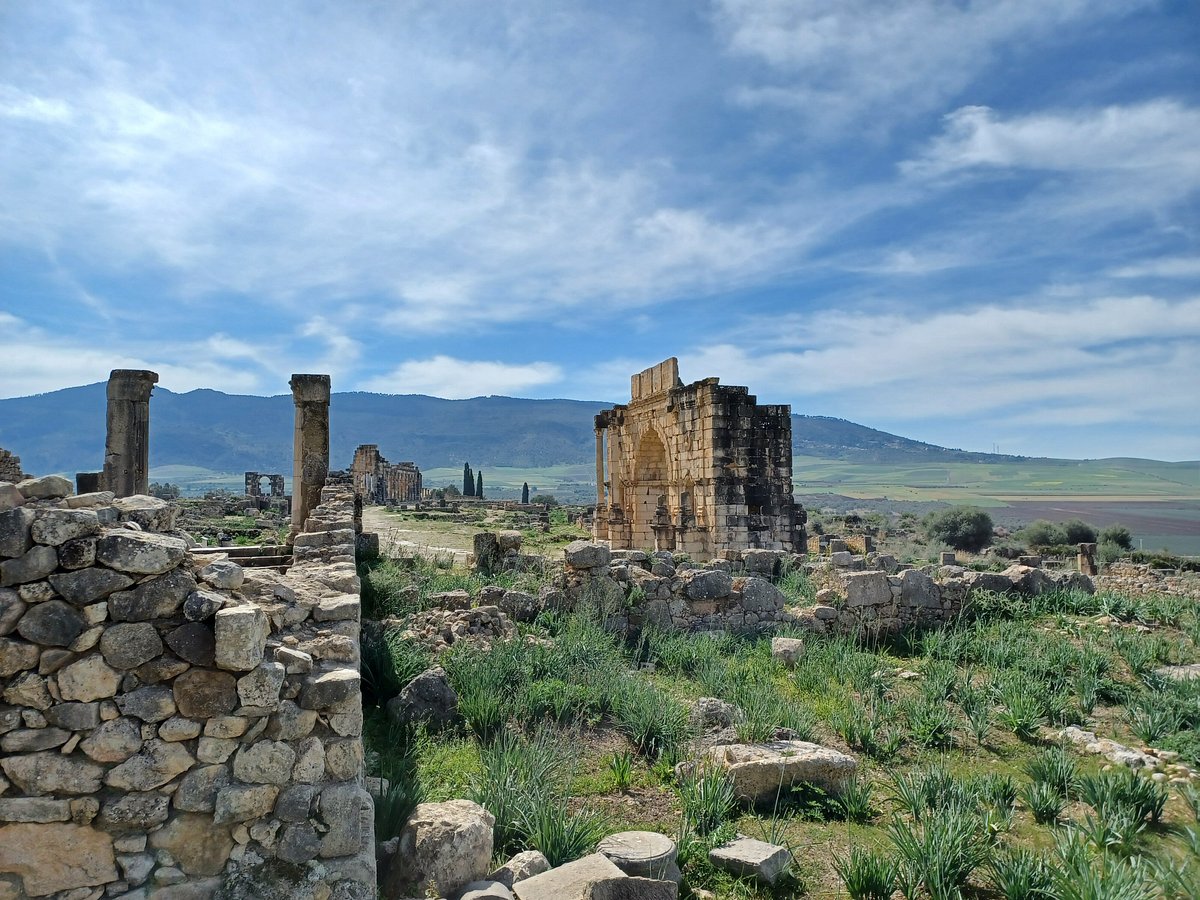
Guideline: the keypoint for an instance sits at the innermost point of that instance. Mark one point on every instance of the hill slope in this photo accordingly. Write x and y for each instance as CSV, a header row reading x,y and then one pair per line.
x,y
63,431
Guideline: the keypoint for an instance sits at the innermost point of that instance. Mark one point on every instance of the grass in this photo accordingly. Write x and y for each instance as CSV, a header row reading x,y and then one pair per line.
x,y
959,790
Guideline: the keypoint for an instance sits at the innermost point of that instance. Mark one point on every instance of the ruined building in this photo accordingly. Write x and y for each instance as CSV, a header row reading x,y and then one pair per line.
x,y
379,481
698,468
10,467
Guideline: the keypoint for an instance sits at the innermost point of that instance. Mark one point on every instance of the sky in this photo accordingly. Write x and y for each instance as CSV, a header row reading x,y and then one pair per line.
x,y
971,223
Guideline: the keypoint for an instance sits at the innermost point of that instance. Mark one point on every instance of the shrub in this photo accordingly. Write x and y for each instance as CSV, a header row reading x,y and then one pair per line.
x,y
620,764
867,875
962,527
855,800
1042,533
1079,532
1118,535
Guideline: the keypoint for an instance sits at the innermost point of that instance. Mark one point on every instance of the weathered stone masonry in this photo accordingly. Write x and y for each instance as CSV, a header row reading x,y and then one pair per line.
x,y
379,481
699,469
175,728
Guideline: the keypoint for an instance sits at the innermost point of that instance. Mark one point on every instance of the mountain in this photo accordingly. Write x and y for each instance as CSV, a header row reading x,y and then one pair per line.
x,y
63,431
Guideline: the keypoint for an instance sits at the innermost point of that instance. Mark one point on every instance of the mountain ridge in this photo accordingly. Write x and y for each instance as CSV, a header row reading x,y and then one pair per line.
x,y
63,431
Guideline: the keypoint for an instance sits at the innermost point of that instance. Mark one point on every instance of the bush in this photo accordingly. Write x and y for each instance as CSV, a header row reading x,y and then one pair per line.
x,y
962,527
1079,532
1043,534
1117,534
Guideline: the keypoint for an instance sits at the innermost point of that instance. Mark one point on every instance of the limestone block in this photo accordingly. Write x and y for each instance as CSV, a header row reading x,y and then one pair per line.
x,y
48,487
128,645
706,584
243,802
428,698
34,565
203,605
12,607
194,642
761,597
214,750
198,790
746,857
261,687
299,843
151,767
294,803
347,812
177,728
787,650
154,703
523,865
88,679
140,553
17,656
758,770
34,809
74,716
486,890
15,531
265,762
344,759
35,853
197,847
10,497
154,598
204,693
152,513
329,688
241,636
52,624
568,882
291,722
917,589
27,740
57,526
29,690
587,555
159,669
868,589
446,845
113,741
35,592
87,585
310,761
134,812
90,500
52,773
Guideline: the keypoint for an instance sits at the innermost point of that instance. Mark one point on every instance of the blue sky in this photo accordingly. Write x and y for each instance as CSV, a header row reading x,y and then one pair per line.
x,y
972,223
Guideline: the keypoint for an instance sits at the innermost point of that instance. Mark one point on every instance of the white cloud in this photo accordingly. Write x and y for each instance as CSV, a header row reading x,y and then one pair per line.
x,y
834,63
1101,360
1161,137
459,379
1164,267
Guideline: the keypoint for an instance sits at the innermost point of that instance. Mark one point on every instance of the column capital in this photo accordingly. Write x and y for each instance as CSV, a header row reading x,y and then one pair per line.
x,y
310,388
131,384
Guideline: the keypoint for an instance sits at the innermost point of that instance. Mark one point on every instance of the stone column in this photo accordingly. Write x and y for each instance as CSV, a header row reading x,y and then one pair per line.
x,y
310,444
599,468
127,444
1087,559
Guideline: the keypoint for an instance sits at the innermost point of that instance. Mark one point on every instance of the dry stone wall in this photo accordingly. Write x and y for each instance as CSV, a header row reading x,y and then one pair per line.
x,y
172,727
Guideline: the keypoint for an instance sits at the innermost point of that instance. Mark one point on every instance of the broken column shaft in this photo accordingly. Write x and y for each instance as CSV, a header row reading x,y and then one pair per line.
x,y
310,443
127,443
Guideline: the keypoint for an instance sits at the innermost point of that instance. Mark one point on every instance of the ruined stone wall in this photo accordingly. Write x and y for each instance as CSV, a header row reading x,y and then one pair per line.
x,y
697,468
855,600
1140,580
633,590
173,728
379,481
10,467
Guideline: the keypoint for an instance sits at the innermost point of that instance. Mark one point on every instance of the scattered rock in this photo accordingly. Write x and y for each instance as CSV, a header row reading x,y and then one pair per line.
x,y
568,882
427,698
787,650
759,770
443,845
745,856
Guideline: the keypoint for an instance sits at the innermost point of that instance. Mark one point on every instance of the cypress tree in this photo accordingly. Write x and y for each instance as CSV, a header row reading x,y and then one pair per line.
x,y
468,481
479,485
525,492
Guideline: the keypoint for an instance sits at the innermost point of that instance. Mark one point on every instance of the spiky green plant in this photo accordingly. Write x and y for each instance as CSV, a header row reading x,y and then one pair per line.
x,y
1021,874
866,874
706,793
1045,801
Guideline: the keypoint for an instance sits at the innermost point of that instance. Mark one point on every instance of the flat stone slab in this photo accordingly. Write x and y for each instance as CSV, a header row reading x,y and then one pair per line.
x,y
645,854
745,856
760,771
570,882
1179,673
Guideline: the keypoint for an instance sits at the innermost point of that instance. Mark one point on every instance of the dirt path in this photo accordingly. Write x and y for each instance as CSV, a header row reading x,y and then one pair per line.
x,y
396,540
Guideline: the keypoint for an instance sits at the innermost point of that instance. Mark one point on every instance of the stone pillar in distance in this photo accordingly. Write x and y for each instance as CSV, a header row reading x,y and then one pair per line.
x,y
127,443
310,445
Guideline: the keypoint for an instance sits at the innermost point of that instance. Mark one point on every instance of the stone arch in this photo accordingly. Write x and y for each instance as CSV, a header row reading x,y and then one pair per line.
x,y
651,480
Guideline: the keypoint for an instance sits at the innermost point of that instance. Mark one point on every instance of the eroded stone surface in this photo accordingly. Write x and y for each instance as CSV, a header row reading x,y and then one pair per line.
x,y
35,852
